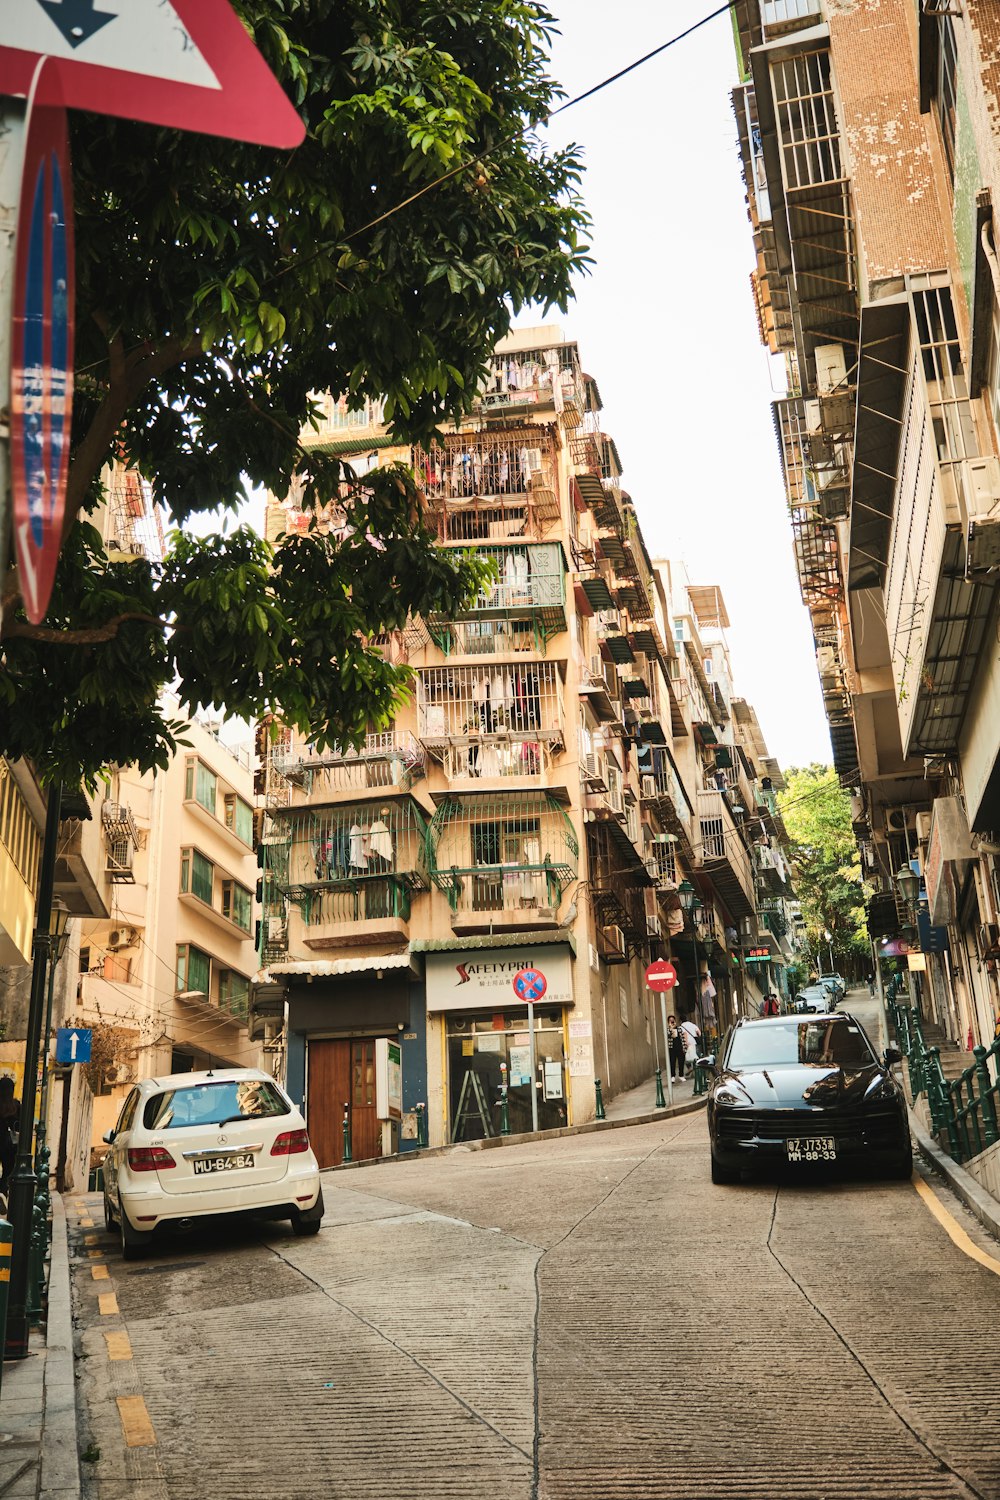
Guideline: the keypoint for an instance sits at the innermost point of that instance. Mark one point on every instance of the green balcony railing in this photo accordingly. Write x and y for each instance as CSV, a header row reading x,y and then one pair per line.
x,y
963,1110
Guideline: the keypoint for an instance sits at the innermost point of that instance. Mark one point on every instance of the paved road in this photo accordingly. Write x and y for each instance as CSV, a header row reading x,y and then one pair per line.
x,y
584,1317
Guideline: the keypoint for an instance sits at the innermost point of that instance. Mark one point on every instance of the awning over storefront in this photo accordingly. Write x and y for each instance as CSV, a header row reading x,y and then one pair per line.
x,y
334,968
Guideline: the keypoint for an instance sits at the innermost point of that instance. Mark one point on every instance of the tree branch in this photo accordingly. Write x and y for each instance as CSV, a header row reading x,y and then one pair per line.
x,y
92,637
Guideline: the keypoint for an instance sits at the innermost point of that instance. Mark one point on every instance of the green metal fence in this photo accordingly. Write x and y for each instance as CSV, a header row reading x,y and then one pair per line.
x,y
963,1110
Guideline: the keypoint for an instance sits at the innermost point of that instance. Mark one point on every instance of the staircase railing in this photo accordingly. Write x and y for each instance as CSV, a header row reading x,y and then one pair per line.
x,y
964,1109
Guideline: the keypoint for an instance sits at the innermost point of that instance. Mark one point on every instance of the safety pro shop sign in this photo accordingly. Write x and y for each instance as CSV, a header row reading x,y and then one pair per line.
x,y
481,979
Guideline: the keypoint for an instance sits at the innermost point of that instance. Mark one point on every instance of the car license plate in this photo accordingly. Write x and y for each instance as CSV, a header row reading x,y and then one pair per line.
x,y
223,1163
811,1148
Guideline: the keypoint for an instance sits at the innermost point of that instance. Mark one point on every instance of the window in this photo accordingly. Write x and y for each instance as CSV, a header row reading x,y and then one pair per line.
x,y
197,875
234,992
236,903
194,969
200,784
708,666
945,91
239,818
214,1104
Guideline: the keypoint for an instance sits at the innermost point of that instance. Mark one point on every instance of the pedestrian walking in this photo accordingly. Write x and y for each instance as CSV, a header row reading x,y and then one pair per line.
x,y
10,1112
871,984
692,1035
769,1005
675,1045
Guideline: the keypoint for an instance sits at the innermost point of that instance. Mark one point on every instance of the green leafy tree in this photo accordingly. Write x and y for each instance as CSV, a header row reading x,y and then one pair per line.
x,y
825,863
218,285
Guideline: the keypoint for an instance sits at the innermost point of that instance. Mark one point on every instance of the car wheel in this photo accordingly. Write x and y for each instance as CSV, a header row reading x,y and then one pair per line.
x,y
723,1176
903,1170
308,1221
134,1242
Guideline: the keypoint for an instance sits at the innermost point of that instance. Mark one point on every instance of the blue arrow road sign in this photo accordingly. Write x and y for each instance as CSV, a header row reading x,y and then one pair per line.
x,y
73,1044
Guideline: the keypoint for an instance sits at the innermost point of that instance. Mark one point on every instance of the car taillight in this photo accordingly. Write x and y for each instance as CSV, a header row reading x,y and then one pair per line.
x,y
149,1158
290,1143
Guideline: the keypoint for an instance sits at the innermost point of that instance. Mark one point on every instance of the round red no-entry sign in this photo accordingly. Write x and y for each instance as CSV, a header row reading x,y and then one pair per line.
x,y
661,975
529,984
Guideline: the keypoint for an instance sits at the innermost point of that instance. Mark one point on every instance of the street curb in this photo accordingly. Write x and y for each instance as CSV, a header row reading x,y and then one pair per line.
x,y
60,1471
962,1183
592,1127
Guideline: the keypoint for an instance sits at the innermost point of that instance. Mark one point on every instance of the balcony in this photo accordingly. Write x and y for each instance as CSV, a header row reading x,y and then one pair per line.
x,y
530,585
504,723
491,486
662,792
503,861
617,881
390,762
528,380
724,856
343,873
121,840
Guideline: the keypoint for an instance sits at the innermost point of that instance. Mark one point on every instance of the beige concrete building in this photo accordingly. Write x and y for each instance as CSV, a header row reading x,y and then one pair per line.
x,y
869,137
526,810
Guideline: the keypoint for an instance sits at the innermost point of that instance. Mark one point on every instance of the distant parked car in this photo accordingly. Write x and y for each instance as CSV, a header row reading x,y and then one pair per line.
x,y
193,1145
806,1092
835,983
815,997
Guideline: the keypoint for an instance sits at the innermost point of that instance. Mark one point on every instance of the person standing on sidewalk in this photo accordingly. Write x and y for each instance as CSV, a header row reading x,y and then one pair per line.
x,y
10,1113
691,1032
675,1043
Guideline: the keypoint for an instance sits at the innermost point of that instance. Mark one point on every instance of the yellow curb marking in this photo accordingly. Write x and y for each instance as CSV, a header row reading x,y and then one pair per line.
x,y
95,1254
90,1239
118,1344
87,1223
108,1303
954,1230
100,1273
137,1427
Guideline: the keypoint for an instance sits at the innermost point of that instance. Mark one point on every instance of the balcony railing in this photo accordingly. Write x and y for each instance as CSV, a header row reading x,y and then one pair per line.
x,y
724,855
389,760
497,485
530,582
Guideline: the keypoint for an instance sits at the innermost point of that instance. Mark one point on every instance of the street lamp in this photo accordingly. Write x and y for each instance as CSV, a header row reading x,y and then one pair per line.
x,y
58,938
909,884
829,938
686,892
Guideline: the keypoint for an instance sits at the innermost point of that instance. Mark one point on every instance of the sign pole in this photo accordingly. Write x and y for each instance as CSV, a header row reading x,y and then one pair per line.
x,y
666,1050
533,1066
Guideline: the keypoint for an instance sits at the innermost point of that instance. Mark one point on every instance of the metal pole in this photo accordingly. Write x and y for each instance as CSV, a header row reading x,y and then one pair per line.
x,y
12,135
669,1063
22,1194
43,1106
531,1065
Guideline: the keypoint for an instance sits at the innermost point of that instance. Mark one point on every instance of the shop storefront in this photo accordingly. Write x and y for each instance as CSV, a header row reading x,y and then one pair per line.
x,y
487,1039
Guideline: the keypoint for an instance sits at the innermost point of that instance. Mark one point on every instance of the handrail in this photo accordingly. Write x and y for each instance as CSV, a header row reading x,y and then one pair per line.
x,y
963,1109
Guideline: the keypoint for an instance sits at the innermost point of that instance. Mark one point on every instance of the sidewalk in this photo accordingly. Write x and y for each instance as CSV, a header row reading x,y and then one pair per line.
x,y
641,1100
39,1451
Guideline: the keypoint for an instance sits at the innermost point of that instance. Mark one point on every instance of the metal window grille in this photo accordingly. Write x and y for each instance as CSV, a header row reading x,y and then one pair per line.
x,y
491,485
488,637
468,704
507,852
782,15
134,520
807,120
946,89
530,579
392,759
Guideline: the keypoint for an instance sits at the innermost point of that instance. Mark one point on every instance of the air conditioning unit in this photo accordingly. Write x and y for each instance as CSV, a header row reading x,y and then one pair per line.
x,y
120,937
117,1073
989,940
276,933
983,545
653,928
935,766
613,946
649,786
923,826
831,368
897,820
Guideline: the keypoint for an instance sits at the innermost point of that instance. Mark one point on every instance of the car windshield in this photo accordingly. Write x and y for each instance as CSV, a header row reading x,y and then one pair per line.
x,y
834,1043
213,1103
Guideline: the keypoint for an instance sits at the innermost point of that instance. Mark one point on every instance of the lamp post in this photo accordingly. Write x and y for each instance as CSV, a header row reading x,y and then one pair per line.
x,y
58,938
22,1191
909,884
829,939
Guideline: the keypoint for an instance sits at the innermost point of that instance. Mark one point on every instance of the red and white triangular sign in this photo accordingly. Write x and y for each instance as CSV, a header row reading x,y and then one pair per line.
x,y
189,64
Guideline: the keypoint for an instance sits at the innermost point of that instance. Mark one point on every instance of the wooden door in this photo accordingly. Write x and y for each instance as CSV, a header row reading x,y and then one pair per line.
x,y
342,1072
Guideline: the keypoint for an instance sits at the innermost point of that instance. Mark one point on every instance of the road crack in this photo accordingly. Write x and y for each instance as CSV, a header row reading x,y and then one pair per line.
x,y
942,1464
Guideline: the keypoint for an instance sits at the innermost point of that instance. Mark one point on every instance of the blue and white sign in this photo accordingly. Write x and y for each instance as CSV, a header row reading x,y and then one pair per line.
x,y
530,984
73,1044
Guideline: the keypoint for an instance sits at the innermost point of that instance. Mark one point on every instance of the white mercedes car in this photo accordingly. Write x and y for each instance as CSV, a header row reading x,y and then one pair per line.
x,y
191,1145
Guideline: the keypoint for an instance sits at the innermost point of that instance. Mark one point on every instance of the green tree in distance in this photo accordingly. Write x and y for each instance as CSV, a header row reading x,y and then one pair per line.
x,y
218,285
825,863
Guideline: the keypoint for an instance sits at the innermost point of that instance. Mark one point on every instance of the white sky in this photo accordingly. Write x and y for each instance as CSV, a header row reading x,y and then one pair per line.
x,y
666,326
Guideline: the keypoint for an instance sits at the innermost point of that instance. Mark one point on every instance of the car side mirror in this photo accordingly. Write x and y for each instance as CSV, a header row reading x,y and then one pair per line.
x,y
892,1055
708,1061
108,1137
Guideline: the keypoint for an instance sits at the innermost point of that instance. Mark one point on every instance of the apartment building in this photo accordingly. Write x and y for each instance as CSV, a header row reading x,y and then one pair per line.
x,y
527,809
869,147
